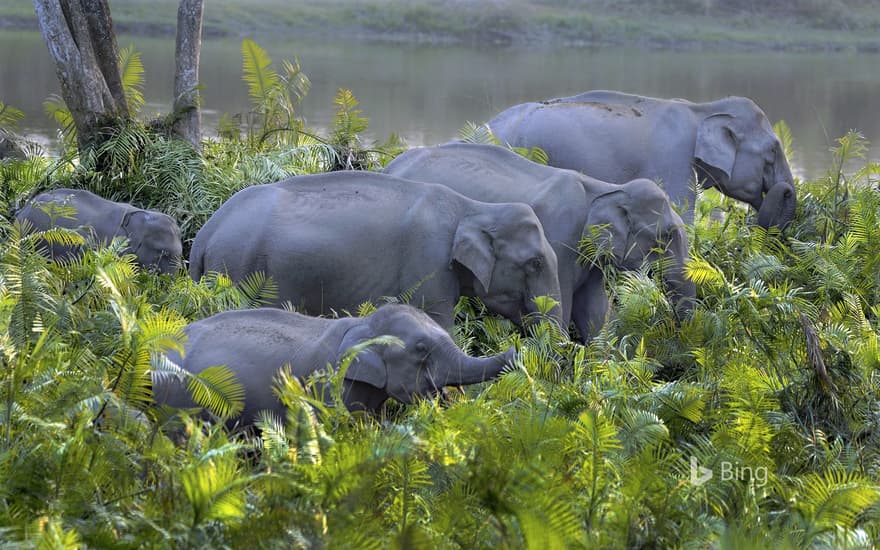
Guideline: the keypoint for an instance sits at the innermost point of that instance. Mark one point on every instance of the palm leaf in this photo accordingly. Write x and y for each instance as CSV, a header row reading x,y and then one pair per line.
x,y
215,489
783,132
218,389
56,109
262,81
836,498
9,116
132,69
476,133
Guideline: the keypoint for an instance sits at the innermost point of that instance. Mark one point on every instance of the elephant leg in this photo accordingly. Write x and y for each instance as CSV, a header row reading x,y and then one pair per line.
x,y
590,305
436,295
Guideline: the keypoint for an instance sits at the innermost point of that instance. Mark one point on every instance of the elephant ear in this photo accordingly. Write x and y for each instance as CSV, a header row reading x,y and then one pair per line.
x,y
367,367
134,225
472,248
716,143
610,213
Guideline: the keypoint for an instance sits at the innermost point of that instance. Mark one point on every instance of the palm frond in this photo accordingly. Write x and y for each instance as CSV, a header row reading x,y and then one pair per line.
x,y
261,79
132,70
217,388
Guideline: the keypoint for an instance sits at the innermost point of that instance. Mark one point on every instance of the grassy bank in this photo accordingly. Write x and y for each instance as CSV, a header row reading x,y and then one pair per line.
x,y
789,25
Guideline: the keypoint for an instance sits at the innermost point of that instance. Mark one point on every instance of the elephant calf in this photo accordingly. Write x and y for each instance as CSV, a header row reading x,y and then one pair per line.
x,y
257,343
333,241
153,237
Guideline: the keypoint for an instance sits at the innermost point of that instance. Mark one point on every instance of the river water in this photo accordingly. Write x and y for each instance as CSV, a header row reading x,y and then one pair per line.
x,y
426,93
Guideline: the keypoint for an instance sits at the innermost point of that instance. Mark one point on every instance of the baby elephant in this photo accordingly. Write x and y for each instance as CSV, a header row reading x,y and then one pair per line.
x,y
257,343
153,237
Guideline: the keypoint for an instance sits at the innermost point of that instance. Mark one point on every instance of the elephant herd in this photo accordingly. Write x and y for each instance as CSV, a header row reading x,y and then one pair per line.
x,y
448,221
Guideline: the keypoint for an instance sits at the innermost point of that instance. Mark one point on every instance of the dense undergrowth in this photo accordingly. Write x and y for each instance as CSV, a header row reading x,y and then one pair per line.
x,y
772,384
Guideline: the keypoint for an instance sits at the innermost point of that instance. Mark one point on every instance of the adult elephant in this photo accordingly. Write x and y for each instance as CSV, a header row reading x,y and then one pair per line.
x,y
257,343
616,137
153,237
333,241
636,218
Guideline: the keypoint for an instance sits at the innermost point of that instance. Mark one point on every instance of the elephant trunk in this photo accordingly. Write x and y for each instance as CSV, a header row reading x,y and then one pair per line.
x,y
462,369
778,207
551,291
683,291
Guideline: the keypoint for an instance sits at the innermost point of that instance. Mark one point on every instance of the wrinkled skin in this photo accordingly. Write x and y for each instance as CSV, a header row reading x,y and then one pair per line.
x,y
617,137
636,218
257,343
153,237
334,241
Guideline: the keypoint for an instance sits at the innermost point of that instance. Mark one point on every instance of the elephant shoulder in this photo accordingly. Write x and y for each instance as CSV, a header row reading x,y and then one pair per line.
x,y
505,123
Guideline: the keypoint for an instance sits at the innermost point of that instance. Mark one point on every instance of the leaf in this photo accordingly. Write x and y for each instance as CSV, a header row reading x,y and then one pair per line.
x,y
217,388
704,273
783,132
56,109
262,81
132,70
476,133
347,122
9,117
215,489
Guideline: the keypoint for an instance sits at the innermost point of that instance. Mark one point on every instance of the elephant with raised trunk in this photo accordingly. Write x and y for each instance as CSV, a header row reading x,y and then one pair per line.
x,y
617,137
257,343
153,237
334,241
636,218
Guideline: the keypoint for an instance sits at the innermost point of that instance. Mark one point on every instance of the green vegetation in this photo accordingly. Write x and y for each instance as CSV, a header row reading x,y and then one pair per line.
x,y
772,384
783,24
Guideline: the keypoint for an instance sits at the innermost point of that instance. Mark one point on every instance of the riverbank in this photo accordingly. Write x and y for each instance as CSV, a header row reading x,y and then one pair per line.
x,y
840,26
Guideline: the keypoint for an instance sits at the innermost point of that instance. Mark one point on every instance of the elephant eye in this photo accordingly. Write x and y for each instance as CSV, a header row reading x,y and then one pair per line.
x,y
535,264
421,348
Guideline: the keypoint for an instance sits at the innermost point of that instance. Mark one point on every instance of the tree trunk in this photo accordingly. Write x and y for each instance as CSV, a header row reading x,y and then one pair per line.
x,y
187,116
81,42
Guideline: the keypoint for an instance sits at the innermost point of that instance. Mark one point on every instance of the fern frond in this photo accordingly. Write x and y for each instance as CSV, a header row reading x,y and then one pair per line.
x,y
217,388
9,117
262,80
783,132
57,110
132,70
476,133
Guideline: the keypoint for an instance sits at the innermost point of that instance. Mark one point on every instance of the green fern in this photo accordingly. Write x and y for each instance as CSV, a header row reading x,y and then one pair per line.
x,y
9,117
132,70
261,79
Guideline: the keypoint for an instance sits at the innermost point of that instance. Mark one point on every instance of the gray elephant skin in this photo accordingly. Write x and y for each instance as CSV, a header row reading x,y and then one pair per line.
x,y
334,241
617,137
256,344
636,218
153,237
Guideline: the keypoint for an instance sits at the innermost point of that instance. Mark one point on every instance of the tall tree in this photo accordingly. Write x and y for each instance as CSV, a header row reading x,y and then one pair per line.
x,y
187,116
81,41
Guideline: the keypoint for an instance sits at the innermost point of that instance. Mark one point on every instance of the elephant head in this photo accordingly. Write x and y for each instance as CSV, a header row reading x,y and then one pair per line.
x,y
636,223
737,151
154,238
508,259
427,361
